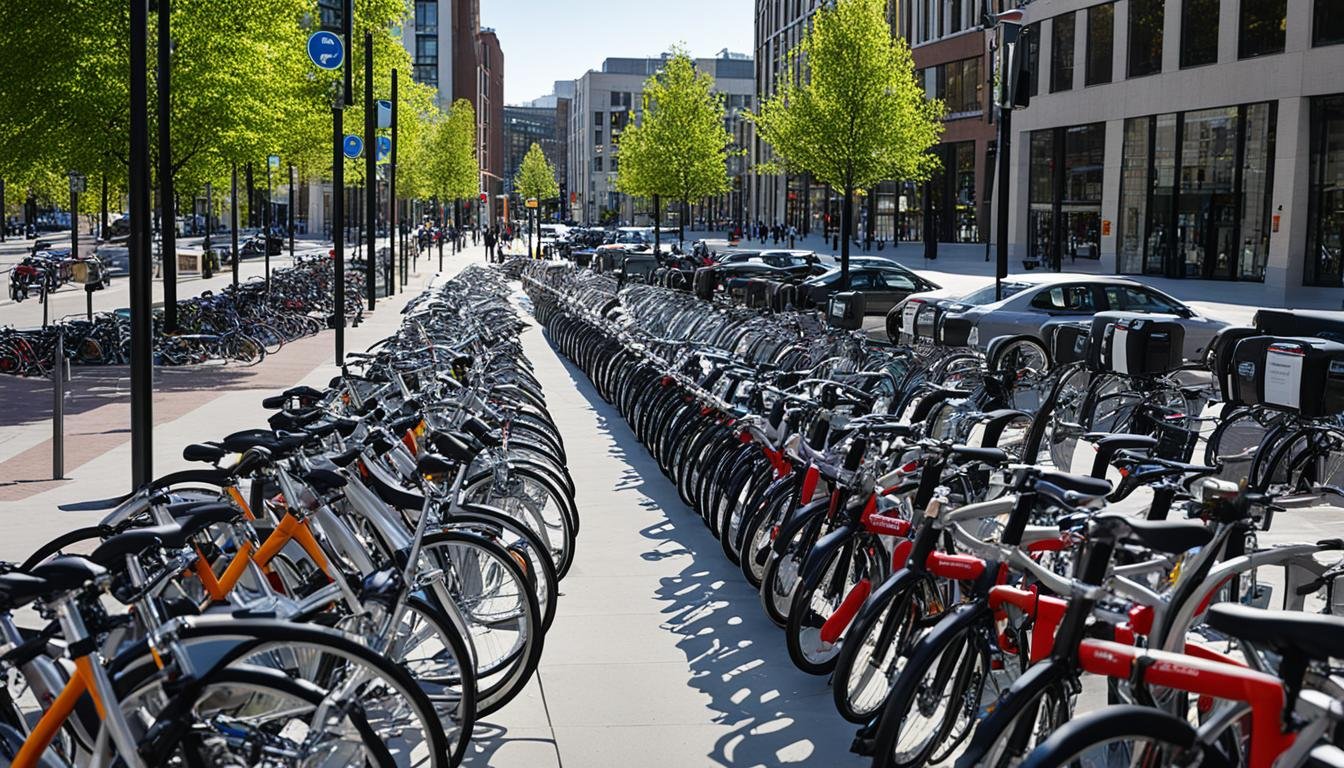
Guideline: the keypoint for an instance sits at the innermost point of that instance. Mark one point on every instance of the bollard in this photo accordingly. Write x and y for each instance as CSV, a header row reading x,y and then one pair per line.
x,y
58,410
45,305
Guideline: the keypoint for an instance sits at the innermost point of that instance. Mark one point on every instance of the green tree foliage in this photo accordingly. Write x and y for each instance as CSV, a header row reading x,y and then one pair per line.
x,y
451,172
536,176
242,89
858,115
678,147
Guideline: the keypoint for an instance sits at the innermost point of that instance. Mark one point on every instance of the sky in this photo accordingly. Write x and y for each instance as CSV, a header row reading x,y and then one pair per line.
x,y
548,40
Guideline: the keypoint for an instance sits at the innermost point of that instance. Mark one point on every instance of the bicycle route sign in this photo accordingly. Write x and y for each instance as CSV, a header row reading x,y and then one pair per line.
x,y
353,146
326,50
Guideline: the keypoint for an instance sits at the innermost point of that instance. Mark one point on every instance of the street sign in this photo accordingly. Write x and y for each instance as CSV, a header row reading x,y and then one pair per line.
x,y
483,196
384,114
531,202
353,146
78,181
273,161
325,49
384,145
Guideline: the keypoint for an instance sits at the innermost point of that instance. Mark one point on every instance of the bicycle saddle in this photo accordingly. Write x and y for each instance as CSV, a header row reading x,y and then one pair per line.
x,y
453,447
323,480
1169,536
1061,484
433,464
210,454
994,457
1288,633
60,574
482,432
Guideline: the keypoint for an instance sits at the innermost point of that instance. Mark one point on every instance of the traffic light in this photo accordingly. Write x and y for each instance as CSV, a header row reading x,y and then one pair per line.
x,y
1022,52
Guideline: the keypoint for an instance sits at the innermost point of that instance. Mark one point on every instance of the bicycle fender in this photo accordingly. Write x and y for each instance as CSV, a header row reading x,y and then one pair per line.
x,y
820,552
795,521
1025,689
897,582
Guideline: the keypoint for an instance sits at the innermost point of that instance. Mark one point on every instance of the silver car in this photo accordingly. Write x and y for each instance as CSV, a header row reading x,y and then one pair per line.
x,y
1030,305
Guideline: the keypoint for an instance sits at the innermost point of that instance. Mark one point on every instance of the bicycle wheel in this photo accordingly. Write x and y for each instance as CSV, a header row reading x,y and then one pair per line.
x,y
493,597
922,710
875,653
846,569
256,717
1122,735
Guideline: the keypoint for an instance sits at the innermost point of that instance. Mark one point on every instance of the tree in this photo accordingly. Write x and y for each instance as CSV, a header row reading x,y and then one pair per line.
x,y
859,116
451,171
535,180
679,147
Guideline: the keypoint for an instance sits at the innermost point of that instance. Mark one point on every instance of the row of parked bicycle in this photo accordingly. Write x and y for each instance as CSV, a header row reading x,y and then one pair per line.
x,y
964,539
49,267
236,325
354,584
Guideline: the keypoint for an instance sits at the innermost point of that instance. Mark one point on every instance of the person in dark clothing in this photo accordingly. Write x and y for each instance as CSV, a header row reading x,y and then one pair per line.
x,y
490,239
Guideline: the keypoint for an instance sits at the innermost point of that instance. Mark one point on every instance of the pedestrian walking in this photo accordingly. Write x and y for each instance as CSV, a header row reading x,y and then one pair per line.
x,y
490,240
793,235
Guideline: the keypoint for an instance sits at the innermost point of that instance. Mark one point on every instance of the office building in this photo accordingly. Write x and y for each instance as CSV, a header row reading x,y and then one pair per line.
x,y
603,103
1191,139
950,54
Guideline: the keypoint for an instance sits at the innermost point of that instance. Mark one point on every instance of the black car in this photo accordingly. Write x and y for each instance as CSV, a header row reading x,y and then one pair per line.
x,y
883,286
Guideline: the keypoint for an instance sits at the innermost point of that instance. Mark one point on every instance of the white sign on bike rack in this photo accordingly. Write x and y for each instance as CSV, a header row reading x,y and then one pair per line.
x,y
1120,349
908,320
1283,375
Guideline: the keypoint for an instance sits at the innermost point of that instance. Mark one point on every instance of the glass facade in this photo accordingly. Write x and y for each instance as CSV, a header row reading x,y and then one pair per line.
x,y
1100,37
1199,32
1195,193
1263,24
1061,52
1145,37
1325,228
1033,58
960,87
1065,183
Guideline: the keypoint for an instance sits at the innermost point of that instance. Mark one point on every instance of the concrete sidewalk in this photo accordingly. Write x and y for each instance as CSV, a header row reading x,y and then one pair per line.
x,y
660,655
190,404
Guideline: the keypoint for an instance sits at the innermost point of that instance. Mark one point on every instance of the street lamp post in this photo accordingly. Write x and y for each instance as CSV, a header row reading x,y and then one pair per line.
x,y
392,187
167,207
141,294
233,220
271,160
206,261
370,173
291,211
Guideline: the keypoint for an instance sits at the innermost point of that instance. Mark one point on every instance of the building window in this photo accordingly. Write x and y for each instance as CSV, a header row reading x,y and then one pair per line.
x,y
1195,193
1033,57
955,20
620,99
959,86
1061,53
1145,37
597,163
1199,32
427,16
426,49
1100,34
1064,204
1327,24
1325,218
1262,27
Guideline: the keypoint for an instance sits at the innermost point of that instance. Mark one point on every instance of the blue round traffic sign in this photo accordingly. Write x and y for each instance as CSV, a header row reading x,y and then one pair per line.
x,y
384,148
353,146
326,50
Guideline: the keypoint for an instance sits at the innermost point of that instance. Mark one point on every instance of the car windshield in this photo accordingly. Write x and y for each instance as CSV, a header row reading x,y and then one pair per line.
x,y
986,295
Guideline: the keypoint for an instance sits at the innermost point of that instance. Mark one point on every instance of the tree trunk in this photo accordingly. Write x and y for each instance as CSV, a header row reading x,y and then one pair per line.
x,y
657,236
846,219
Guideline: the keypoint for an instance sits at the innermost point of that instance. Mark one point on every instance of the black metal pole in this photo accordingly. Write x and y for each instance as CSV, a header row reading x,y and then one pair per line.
x,y
141,296
74,221
392,191
102,222
4,220
370,173
338,225
290,223
347,35
167,209
233,221
266,229
1001,214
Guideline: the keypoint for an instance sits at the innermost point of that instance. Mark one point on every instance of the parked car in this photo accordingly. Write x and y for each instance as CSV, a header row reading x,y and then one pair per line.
x,y
883,286
1031,305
